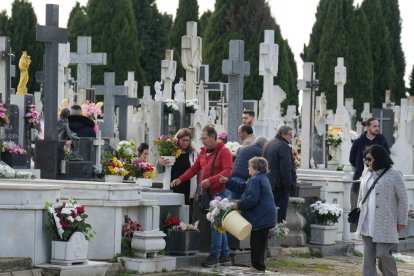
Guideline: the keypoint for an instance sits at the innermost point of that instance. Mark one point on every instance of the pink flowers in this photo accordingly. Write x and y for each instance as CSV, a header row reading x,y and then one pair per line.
x,y
32,116
141,169
9,146
4,118
91,110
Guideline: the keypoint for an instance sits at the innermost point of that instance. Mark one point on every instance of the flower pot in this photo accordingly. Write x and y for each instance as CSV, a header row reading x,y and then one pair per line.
x,y
323,234
166,181
15,160
237,225
114,178
74,250
183,242
144,182
170,158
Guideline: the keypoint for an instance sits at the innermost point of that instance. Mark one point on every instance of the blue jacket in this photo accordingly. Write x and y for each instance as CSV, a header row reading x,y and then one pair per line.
x,y
241,162
256,204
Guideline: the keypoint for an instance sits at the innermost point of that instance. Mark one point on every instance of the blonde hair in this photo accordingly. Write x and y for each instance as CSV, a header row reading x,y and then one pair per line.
x,y
185,132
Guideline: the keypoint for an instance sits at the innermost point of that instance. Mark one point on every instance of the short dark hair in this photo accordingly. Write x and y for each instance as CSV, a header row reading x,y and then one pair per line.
x,y
76,107
380,155
247,128
368,122
142,147
211,131
250,112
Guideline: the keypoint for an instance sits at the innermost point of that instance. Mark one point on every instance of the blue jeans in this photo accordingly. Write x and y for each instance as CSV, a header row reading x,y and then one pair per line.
x,y
219,243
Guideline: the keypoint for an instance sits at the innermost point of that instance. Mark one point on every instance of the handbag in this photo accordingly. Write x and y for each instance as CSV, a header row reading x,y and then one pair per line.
x,y
204,198
353,216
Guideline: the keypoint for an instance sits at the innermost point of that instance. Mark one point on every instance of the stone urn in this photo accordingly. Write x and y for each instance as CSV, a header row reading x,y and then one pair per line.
x,y
144,182
323,234
148,243
73,251
295,222
166,181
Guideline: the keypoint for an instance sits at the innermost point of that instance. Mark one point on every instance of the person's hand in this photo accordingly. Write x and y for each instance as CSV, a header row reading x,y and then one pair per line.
x,y
175,183
234,206
298,181
205,183
400,227
162,161
224,179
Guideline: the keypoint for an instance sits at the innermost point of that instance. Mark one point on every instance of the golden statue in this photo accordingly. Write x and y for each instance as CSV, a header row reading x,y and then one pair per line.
x,y
24,63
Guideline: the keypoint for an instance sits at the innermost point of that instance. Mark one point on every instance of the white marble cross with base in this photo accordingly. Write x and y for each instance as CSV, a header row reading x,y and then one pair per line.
x,y
168,70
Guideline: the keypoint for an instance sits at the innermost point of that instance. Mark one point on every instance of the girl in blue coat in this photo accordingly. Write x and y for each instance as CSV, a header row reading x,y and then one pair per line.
x,y
257,206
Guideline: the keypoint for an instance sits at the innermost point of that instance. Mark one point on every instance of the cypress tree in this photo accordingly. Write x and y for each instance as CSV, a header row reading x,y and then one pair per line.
x,y
411,89
77,25
384,71
4,24
112,25
247,20
23,38
187,11
153,29
204,18
391,13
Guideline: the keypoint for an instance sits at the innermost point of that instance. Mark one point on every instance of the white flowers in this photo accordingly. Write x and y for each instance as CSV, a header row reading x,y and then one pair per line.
x,y
218,208
171,104
326,213
192,105
233,147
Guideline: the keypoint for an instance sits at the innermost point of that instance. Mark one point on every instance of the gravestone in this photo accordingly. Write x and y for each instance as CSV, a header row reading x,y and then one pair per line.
x,y
123,103
132,116
12,129
385,118
208,87
64,51
84,58
6,57
236,69
318,146
168,70
109,90
70,87
50,151
171,122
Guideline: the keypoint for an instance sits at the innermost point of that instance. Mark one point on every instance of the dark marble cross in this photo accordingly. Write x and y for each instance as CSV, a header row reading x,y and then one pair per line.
x,y
123,102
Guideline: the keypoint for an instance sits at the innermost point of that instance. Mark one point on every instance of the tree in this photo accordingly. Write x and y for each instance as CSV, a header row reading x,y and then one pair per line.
x,y
4,24
23,38
391,13
77,25
112,26
247,20
153,29
411,89
204,18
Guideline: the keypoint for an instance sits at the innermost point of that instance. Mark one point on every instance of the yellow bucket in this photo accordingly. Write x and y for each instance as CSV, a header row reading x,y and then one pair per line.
x,y
237,225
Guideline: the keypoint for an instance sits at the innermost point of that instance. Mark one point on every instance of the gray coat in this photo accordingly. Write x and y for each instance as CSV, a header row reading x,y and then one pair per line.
x,y
391,202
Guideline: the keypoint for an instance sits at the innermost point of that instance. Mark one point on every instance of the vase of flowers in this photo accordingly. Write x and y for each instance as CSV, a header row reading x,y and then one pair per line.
x,y
13,154
326,214
169,108
142,172
126,150
167,148
182,238
32,116
114,170
70,232
128,229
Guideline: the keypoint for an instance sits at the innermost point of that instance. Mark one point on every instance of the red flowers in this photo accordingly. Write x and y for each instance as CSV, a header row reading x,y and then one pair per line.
x,y
80,210
171,221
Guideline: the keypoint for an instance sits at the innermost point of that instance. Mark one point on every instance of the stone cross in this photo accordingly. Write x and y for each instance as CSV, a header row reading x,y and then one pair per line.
x,y
366,114
123,102
98,143
268,66
208,86
340,81
387,103
236,69
168,70
109,90
84,59
6,68
64,52
51,35
191,49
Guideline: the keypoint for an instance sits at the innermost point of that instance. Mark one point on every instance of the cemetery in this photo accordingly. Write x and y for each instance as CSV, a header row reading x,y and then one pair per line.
x,y
78,196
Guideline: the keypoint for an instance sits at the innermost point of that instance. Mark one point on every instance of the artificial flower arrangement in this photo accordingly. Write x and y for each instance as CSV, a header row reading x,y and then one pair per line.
x,y
11,147
32,116
166,146
174,223
326,213
233,147
113,166
128,228
141,169
126,150
170,106
92,110
191,106
219,208
296,156
67,150
279,231
333,137
4,118
66,219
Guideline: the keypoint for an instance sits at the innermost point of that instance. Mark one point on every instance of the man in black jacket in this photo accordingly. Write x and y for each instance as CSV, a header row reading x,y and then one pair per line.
x,y
282,172
81,125
371,136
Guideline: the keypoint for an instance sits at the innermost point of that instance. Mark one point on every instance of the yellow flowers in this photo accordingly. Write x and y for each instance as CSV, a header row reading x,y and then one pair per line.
x,y
116,167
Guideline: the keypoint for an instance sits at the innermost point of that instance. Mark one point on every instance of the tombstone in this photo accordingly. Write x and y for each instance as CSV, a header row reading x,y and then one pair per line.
x,y
69,87
109,90
132,85
64,52
387,103
179,91
236,69
171,122
318,147
191,46
385,118
307,85
158,91
291,117
168,70
123,102
208,87
6,57
349,106
84,58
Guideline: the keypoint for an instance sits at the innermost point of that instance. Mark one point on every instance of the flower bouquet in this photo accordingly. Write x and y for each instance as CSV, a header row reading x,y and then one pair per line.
x,y
279,231
191,106
219,208
32,116
141,169
326,213
166,146
170,106
334,138
13,148
128,229
174,223
92,110
296,157
126,150
4,118
114,170
233,147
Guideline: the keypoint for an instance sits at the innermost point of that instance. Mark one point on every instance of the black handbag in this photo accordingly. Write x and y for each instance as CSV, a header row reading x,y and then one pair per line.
x,y
353,216
204,198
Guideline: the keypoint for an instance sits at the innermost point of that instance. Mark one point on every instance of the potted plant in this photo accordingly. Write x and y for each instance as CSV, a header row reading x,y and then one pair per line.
x,y
167,148
142,172
113,169
70,231
410,223
12,154
326,214
128,229
182,238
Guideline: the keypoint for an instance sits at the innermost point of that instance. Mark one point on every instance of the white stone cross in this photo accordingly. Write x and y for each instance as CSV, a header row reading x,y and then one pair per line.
x,y
340,81
168,71
98,143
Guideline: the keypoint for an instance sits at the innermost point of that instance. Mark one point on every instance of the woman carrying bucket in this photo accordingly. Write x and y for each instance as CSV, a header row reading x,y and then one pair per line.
x,y
258,207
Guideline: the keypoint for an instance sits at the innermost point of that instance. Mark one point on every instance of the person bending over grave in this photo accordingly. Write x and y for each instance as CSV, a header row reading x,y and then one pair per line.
x,y
79,124
64,133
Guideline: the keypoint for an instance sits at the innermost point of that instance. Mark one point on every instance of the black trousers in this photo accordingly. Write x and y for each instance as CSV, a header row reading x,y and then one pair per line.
x,y
258,244
281,201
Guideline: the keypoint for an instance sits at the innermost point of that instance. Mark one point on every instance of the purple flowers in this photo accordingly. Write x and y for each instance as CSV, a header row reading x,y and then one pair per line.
x,y
4,118
12,148
32,116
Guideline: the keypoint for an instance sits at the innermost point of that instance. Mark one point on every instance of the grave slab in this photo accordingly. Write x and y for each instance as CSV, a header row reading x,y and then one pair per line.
x,y
91,268
158,264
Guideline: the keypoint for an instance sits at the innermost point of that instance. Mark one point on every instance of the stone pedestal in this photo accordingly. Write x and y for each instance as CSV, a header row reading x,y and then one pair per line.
x,y
295,222
48,154
148,243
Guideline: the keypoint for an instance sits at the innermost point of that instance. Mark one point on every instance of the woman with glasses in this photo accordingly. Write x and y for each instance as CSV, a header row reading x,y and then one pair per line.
x,y
384,213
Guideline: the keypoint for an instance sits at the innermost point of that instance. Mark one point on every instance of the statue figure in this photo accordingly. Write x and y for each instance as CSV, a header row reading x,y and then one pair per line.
x,y
64,133
158,91
24,63
179,89
213,114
